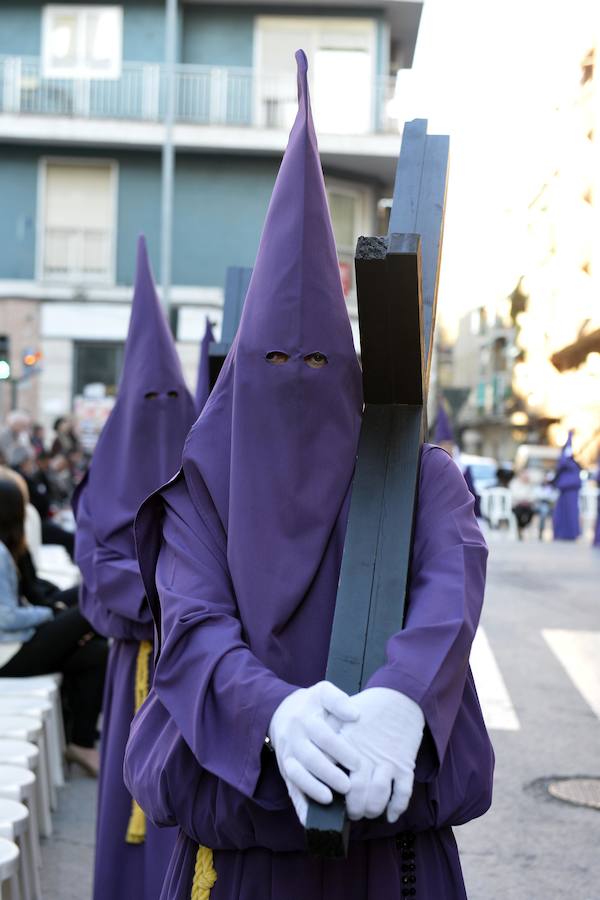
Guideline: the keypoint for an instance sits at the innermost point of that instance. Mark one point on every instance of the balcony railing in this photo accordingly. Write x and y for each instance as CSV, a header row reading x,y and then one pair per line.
x,y
204,95
77,254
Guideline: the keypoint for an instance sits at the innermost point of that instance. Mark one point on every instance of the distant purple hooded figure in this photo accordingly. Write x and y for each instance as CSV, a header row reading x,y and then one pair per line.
x,y
565,516
139,448
597,529
444,433
203,382
242,552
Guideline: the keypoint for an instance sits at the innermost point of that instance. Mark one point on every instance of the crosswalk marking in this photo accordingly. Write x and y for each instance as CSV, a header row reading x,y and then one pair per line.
x,y
498,711
579,654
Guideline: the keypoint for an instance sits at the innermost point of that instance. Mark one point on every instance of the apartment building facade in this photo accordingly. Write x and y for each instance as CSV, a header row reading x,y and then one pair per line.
x,y
82,106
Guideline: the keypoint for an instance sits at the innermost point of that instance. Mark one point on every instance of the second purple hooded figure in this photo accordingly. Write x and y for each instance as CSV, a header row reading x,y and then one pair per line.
x,y
241,554
139,449
565,516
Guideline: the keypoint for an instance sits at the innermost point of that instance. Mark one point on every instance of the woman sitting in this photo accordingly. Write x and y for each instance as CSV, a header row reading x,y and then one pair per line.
x,y
38,642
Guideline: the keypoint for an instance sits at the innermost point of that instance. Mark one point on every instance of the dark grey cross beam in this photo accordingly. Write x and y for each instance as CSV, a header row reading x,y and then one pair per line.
x,y
396,278
237,280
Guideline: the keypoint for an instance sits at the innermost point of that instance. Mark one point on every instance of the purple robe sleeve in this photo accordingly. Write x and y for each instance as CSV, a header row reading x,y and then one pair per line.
x,y
219,694
428,660
112,595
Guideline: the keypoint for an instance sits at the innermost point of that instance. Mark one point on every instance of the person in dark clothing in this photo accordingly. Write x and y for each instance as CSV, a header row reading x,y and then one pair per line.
x,y
44,495
40,592
37,640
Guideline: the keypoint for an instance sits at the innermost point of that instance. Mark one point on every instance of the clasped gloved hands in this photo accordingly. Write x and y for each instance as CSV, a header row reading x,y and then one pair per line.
x,y
387,735
375,735
304,734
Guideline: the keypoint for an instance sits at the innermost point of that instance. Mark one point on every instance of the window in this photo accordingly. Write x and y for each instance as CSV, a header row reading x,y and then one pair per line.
x,y
97,362
78,202
341,59
82,41
349,208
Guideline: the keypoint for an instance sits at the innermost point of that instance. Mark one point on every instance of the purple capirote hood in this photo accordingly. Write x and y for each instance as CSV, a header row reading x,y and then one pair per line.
x,y
443,428
141,443
203,381
275,446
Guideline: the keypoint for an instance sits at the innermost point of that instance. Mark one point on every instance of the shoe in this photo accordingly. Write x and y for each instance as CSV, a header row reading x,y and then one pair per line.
x,y
86,757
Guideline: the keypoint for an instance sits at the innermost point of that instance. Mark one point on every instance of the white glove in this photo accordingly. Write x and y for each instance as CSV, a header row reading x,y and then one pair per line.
x,y
308,746
387,734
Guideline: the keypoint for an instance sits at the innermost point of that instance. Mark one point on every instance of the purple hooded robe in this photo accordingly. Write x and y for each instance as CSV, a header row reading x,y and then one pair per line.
x,y
597,529
139,448
203,382
243,550
565,516
443,429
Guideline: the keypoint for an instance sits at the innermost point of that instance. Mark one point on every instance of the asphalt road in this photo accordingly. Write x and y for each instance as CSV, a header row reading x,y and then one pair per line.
x,y
542,621
542,606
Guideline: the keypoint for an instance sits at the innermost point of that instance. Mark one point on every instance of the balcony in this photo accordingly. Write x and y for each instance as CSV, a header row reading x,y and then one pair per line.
x,y
77,255
204,96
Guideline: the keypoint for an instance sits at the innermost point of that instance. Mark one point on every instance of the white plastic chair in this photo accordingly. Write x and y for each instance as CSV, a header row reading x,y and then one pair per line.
x,y
9,867
33,532
588,507
496,506
24,755
26,728
37,708
15,826
47,690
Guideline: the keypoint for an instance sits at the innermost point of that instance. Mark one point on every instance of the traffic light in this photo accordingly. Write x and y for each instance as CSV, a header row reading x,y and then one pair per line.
x,y
4,357
31,358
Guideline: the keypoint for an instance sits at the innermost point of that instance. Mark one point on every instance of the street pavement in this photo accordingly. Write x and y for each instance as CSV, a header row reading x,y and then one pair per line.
x,y
537,666
538,674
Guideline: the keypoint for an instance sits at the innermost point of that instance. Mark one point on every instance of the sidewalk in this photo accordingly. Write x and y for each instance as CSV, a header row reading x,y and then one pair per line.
x,y
68,857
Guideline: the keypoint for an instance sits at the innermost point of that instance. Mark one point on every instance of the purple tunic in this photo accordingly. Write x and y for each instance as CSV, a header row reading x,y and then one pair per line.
x,y
597,529
225,791
565,516
203,381
444,432
240,556
139,448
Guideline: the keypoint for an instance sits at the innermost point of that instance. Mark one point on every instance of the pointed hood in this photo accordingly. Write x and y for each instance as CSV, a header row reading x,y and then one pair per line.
x,y
141,443
567,450
444,432
275,446
203,381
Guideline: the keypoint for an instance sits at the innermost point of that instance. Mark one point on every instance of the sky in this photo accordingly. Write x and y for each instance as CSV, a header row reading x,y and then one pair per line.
x,y
491,75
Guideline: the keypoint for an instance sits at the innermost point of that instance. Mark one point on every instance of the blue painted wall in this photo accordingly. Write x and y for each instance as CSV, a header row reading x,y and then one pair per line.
x,y
220,205
216,36
138,207
18,190
20,28
209,35
143,28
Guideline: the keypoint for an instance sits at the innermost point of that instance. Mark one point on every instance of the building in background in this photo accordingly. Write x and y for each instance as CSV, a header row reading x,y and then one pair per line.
x,y
482,368
529,363
557,373
82,95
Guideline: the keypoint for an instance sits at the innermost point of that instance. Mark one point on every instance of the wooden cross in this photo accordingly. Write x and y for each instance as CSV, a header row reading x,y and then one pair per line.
x,y
396,279
237,279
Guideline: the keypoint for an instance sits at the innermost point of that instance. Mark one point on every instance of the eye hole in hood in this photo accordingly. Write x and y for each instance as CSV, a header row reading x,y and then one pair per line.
x,y
277,357
316,360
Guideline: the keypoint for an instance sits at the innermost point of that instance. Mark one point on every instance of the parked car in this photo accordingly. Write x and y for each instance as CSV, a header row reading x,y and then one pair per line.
x,y
484,470
538,460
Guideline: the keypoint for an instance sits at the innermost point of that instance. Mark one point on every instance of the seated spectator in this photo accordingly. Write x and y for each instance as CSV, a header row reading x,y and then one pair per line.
x,y
39,640
46,493
66,440
37,439
15,441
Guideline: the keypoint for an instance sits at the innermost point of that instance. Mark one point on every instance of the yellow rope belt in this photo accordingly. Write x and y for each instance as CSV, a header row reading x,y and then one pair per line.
x,y
204,875
136,830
